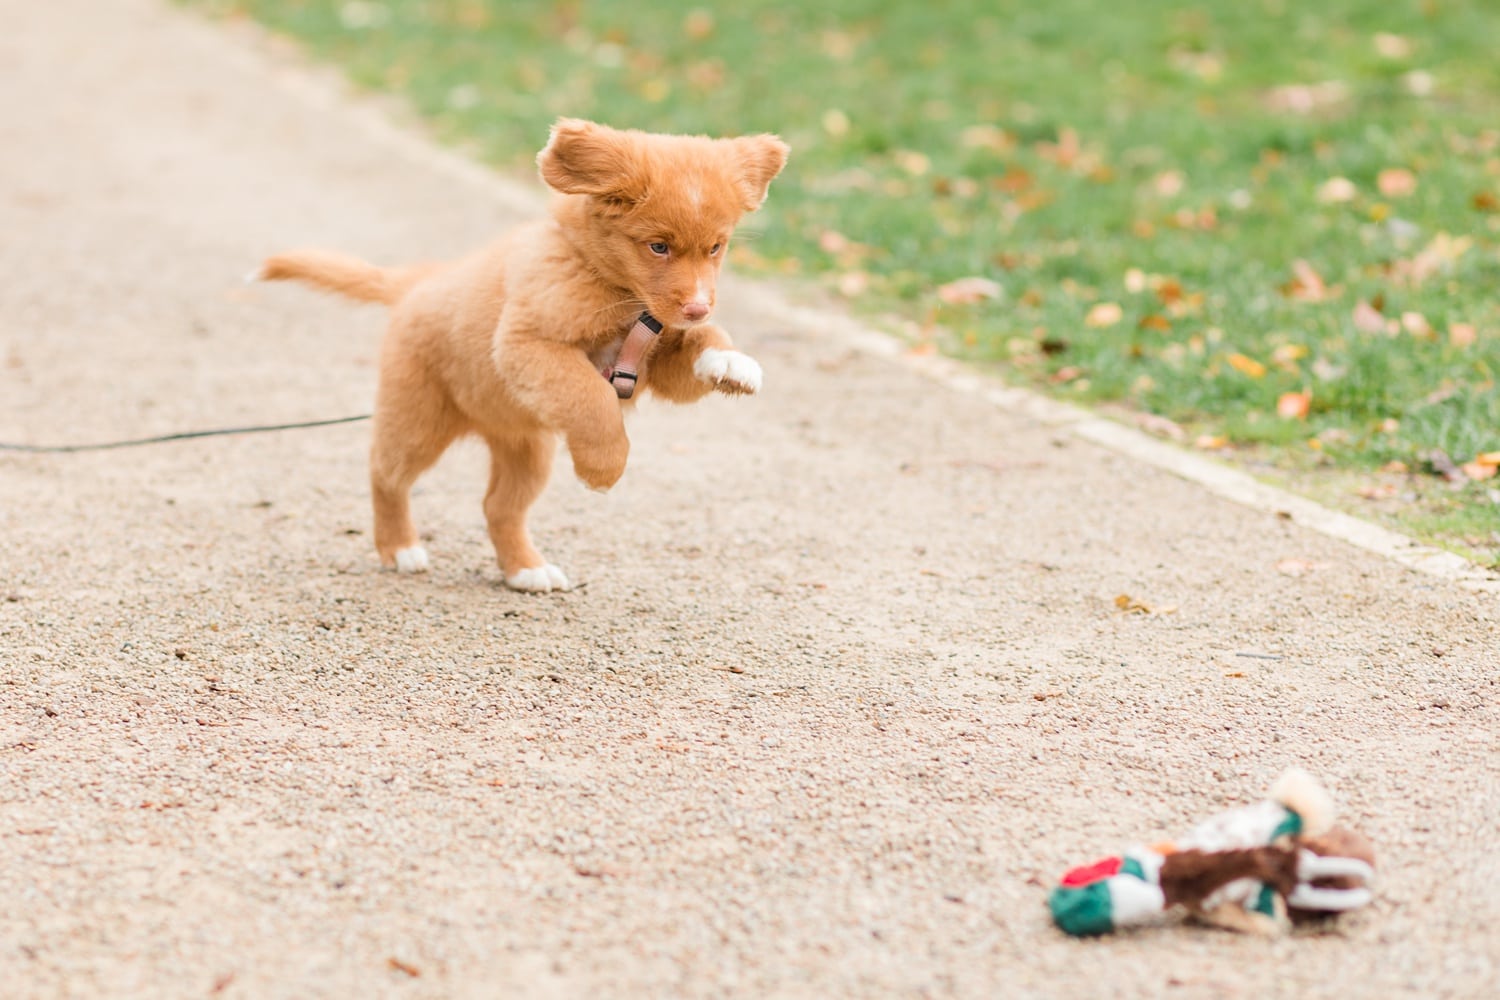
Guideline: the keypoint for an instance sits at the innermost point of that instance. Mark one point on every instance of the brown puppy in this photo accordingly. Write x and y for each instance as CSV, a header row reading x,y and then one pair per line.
x,y
510,343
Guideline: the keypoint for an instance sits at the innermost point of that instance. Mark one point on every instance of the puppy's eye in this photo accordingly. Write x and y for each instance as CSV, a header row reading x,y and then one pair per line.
x,y
660,249
716,248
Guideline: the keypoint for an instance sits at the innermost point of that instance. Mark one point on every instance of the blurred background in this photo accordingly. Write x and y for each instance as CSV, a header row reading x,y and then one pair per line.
x,y
1263,229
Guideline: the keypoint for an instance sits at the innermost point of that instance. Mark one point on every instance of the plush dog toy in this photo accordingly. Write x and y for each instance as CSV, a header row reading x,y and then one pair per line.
x,y
1256,868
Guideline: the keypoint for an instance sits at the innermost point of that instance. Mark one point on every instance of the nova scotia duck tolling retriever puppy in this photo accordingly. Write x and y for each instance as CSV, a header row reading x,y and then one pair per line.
x,y
555,328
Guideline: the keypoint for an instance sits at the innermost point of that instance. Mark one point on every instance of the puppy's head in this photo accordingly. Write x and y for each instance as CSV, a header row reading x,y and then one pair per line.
x,y
661,208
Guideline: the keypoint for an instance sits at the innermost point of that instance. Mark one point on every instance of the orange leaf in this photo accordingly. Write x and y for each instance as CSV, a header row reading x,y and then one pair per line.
x,y
1294,405
1461,334
1247,365
1155,321
1396,182
1478,470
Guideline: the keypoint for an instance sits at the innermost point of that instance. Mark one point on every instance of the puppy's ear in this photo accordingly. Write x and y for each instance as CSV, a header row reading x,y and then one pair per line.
x,y
759,158
584,158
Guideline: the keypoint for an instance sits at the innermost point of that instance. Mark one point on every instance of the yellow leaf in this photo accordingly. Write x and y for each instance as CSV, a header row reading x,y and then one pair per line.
x,y
1247,365
1337,189
835,122
1104,314
1287,355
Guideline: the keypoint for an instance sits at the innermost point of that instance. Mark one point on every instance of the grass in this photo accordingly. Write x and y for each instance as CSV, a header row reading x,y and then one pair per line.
x,y
1219,213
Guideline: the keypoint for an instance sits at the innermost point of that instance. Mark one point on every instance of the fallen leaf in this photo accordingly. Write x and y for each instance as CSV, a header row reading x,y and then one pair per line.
x,y
1306,98
1210,442
1287,355
1169,183
835,122
698,24
1396,182
967,291
1367,319
406,967
1391,46
1131,606
912,162
1104,314
1394,466
1153,423
1337,189
1307,284
1488,457
1486,201
1155,321
1169,290
1461,334
1013,181
830,241
852,284
1294,405
1135,281
1246,365
1416,324
1067,373
1478,470
1444,466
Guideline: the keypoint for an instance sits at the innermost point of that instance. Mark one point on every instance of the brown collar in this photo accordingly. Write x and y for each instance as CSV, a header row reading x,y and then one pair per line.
x,y
623,373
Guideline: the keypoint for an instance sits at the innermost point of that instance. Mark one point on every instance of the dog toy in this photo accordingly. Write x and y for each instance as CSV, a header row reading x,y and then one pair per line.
x,y
1256,868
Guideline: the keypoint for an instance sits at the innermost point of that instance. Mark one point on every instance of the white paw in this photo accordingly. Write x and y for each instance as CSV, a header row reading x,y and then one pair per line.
x,y
538,579
412,560
728,370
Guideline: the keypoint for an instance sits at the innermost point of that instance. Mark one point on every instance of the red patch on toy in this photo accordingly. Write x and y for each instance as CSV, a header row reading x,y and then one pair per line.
x,y
1089,874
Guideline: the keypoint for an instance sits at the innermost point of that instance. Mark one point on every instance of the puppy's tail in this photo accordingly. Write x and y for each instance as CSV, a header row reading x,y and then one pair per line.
x,y
336,272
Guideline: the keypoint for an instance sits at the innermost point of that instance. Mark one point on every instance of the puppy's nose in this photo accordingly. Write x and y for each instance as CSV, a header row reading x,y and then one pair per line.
x,y
695,309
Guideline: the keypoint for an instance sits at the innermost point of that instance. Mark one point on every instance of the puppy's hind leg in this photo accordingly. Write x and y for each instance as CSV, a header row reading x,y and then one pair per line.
x,y
414,424
519,468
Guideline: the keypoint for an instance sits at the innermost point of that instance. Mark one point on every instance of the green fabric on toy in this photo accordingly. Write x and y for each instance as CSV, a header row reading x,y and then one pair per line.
x,y
1255,869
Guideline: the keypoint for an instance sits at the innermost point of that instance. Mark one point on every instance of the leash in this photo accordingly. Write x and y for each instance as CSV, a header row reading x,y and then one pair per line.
x,y
622,375
183,436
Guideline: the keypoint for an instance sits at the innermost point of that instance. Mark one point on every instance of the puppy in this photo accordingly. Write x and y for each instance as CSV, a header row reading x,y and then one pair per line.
x,y
555,328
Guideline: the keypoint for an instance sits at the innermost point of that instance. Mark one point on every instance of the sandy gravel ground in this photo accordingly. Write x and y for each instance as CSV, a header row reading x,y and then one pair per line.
x,y
845,689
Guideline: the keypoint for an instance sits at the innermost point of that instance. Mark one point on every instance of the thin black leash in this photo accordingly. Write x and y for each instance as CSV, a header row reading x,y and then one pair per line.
x,y
185,435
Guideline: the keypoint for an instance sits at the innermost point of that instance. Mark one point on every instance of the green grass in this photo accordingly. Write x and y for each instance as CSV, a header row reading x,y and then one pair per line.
x,y
1169,158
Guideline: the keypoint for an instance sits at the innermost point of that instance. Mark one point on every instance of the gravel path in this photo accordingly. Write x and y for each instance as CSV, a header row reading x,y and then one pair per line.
x,y
846,688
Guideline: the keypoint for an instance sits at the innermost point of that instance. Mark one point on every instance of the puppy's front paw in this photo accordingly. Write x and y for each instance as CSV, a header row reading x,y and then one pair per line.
x,y
599,466
728,371
537,579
